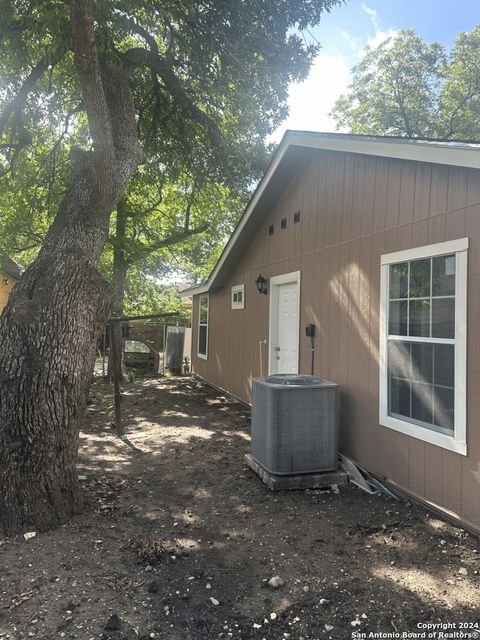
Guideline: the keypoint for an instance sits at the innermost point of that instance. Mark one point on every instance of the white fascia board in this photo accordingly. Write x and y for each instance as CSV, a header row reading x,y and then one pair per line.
x,y
193,291
460,154
446,153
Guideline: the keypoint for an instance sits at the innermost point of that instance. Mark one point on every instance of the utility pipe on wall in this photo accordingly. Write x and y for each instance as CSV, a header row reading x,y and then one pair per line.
x,y
310,333
261,344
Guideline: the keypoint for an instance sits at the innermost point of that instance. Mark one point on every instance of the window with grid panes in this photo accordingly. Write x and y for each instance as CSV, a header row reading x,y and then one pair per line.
x,y
423,356
203,326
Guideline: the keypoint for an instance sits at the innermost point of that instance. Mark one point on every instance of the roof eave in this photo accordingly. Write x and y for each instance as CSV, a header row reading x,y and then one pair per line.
x,y
432,151
193,291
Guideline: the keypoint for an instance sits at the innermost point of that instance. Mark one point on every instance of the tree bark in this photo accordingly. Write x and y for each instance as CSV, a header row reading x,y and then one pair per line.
x,y
55,315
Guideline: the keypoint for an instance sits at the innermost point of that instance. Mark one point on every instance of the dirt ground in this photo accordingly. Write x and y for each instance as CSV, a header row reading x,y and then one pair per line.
x,y
180,539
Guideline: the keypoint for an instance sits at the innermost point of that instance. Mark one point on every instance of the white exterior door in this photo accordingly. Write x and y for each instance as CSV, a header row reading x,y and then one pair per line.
x,y
284,323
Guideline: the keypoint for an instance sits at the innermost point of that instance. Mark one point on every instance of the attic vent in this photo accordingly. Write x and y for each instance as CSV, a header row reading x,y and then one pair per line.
x,y
283,223
271,229
296,217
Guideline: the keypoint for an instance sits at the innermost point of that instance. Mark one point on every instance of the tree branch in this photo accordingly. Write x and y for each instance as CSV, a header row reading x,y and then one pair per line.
x,y
28,247
168,24
139,57
149,39
468,96
152,208
401,106
22,94
14,107
175,238
188,210
89,72
66,124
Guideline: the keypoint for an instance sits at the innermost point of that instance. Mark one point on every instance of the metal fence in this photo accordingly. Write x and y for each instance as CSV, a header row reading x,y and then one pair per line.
x,y
167,345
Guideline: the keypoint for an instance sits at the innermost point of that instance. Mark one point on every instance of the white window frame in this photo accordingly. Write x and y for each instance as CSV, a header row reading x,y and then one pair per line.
x,y
239,288
203,356
457,442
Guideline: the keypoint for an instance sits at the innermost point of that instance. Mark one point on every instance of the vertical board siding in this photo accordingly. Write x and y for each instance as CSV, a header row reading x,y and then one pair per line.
x,y
358,189
473,188
347,204
470,466
407,192
393,192
434,473
380,195
457,189
452,482
400,471
353,209
438,190
421,200
6,286
364,400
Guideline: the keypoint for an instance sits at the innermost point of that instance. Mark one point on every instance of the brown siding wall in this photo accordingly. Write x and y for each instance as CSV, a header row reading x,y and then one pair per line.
x,y
355,208
6,285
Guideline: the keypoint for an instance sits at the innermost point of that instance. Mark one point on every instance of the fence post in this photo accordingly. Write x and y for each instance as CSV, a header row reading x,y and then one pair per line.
x,y
116,381
164,346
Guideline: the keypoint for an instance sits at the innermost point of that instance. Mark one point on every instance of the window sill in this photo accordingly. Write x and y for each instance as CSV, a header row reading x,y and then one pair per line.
x,y
426,435
202,356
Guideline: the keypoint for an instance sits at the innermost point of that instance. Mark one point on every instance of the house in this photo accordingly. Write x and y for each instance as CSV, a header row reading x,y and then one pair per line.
x,y
10,272
187,302
376,242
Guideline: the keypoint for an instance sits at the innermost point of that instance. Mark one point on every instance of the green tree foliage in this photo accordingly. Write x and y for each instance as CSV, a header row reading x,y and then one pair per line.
x,y
177,227
180,86
164,231
201,72
172,226
407,87
144,295
30,192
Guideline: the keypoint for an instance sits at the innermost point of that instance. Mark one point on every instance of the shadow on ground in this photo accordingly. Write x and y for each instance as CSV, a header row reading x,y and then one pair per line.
x,y
180,539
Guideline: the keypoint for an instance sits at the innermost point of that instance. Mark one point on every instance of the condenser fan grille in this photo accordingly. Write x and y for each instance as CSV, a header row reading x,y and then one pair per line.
x,y
294,424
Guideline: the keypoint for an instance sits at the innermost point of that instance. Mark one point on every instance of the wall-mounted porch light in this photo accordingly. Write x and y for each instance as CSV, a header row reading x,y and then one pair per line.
x,y
261,284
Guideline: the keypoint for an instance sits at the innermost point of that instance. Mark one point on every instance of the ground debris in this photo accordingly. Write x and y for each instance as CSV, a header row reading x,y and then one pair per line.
x,y
20,598
149,550
122,583
177,522
275,582
29,535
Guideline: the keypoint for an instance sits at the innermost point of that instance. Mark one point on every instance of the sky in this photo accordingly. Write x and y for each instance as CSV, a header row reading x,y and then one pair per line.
x,y
344,34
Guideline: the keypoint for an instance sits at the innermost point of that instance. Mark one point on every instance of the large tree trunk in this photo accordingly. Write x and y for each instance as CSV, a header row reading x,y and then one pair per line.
x,y
47,349
55,315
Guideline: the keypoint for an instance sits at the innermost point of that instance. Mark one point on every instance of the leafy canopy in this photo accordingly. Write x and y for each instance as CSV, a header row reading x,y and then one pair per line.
x,y
407,87
199,70
209,81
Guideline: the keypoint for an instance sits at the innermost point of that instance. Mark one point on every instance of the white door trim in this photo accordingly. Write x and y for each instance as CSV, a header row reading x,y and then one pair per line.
x,y
275,282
